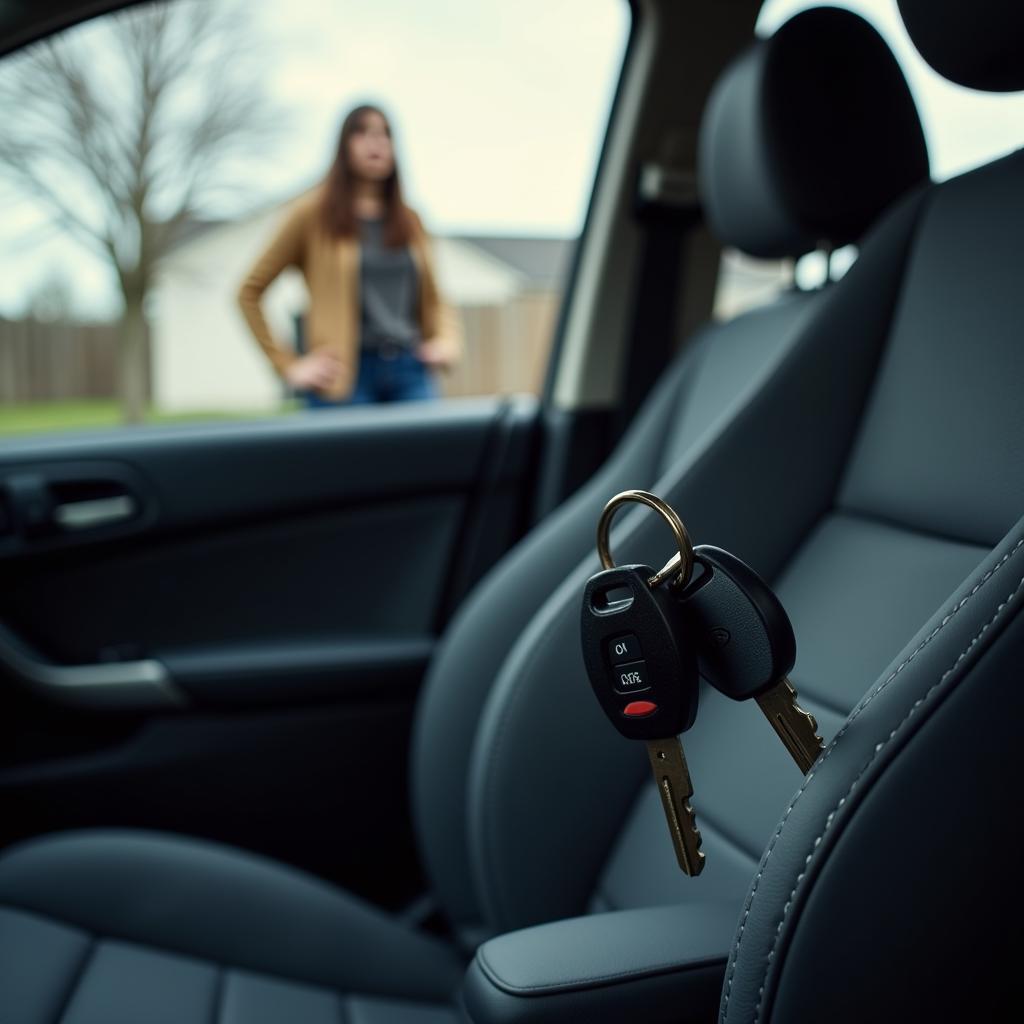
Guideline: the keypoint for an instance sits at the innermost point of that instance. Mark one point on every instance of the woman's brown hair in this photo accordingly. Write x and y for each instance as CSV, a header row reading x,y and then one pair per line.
x,y
339,216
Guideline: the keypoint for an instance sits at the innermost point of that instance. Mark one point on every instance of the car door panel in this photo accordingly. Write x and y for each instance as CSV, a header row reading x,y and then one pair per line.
x,y
377,568
322,787
294,572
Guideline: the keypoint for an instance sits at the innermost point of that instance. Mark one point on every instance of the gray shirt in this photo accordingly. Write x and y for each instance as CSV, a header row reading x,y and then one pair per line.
x,y
388,291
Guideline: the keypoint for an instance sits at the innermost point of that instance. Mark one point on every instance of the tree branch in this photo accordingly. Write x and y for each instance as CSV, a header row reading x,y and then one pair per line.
x,y
124,139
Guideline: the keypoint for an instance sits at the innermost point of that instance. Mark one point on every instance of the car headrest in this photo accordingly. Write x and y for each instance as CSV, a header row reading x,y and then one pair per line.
x,y
807,136
980,44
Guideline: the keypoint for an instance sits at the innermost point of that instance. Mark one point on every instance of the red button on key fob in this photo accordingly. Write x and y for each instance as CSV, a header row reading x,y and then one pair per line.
x,y
640,708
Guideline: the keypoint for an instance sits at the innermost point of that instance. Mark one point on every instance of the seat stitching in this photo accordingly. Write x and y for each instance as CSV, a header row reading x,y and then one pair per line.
x,y
879,747
865,701
76,978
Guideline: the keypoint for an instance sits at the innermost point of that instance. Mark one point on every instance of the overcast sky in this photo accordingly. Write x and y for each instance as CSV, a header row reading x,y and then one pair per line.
x,y
499,108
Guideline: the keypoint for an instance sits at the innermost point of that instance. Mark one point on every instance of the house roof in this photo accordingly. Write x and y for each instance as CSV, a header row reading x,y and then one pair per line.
x,y
544,262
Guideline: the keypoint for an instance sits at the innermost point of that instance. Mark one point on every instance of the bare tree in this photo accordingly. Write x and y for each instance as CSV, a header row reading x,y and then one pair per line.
x,y
126,130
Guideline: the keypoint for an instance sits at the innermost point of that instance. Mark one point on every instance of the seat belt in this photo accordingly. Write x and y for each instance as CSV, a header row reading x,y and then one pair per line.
x,y
667,210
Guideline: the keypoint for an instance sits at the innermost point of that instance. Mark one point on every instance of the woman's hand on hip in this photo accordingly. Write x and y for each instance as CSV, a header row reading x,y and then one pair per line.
x,y
317,371
437,353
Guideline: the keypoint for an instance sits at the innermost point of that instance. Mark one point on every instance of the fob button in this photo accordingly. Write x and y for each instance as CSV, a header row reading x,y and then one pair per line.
x,y
623,649
630,678
640,708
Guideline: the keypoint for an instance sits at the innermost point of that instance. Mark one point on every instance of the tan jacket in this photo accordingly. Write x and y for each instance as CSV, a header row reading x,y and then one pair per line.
x,y
331,269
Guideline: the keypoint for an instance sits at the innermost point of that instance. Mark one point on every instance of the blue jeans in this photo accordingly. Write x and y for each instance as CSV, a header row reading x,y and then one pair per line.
x,y
400,377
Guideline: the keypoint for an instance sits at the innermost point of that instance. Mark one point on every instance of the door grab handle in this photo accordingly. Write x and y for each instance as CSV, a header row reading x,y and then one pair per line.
x,y
143,685
85,515
64,504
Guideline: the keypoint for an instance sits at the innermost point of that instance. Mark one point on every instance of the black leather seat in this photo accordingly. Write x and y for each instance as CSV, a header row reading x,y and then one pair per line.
x,y
847,443
890,889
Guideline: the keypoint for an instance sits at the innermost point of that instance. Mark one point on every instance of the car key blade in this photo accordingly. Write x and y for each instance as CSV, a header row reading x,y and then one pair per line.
x,y
675,788
798,729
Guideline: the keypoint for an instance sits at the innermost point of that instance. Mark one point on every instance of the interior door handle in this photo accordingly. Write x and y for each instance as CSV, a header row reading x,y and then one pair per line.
x,y
90,513
54,503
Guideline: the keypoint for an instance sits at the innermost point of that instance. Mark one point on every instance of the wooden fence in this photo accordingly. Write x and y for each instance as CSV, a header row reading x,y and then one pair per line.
x,y
507,347
506,351
43,361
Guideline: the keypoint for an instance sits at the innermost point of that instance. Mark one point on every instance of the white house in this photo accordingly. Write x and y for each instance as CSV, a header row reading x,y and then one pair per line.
x,y
203,357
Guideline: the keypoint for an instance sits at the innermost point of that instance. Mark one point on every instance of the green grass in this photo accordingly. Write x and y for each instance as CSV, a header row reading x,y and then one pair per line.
x,y
76,414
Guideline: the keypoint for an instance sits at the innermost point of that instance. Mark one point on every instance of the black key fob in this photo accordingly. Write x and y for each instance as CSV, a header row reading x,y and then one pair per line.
x,y
743,635
642,670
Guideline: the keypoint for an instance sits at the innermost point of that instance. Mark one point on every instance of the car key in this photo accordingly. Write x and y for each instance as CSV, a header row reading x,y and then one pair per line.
x,y
746,647
644,674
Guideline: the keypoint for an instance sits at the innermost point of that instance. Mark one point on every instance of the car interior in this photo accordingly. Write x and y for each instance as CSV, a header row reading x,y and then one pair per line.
x,y
286,745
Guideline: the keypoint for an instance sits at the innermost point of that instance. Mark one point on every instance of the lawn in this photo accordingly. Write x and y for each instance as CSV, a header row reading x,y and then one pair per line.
x,y
75,414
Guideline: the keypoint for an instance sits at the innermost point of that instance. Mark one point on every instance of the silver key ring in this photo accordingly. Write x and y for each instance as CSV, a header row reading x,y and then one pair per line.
x,y
680,564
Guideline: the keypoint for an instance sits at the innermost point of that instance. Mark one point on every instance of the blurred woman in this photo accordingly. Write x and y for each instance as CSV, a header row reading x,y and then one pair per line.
x,y
377,327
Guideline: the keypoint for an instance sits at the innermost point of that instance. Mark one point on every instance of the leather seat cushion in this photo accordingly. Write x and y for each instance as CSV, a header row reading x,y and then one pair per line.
x,y
127,926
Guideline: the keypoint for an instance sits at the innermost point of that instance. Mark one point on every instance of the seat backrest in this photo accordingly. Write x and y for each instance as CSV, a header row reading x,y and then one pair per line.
x,y
516,635
890,889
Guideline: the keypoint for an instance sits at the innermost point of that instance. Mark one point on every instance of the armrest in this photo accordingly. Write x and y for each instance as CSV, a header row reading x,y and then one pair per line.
x,y
655,964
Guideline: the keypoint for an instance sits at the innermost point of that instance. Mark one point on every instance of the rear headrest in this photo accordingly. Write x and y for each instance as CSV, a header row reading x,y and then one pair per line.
x,y
980,44
807,137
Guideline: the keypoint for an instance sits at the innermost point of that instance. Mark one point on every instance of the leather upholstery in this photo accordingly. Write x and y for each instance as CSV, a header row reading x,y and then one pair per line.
x,y
129,926
783,481
977,44
951,339
808,137
627,965
892,854
722,366
889,888
757,485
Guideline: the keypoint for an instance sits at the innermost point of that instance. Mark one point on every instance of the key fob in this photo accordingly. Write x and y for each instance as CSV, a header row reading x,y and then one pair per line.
x,y
744,639
642,670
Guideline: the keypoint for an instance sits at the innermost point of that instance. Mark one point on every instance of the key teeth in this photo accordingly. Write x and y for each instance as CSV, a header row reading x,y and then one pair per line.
x,y
693,821
797,728
699,858
812,723
675,788
698,866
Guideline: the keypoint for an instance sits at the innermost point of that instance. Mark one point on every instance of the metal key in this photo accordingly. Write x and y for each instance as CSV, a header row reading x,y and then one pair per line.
x,y
644,674
746,647
672,776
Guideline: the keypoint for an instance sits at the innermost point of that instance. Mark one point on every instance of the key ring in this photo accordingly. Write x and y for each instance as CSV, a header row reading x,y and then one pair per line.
x,y
680,563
